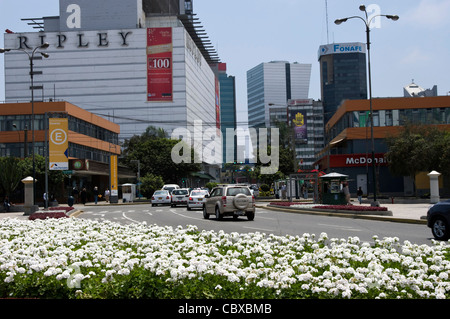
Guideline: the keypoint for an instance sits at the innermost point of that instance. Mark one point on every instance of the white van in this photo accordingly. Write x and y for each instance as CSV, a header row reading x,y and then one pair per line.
x,y
170,187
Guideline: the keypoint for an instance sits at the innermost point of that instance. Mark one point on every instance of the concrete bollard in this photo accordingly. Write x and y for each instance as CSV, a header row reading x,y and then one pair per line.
x,y
434,187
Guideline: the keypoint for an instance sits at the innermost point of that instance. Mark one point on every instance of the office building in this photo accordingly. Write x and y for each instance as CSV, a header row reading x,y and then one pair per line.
x,y
270,85
348,147
342,74
138,63
227,85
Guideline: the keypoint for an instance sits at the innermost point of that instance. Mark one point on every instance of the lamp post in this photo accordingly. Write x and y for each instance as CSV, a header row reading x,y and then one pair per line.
x,y
367,23
31,58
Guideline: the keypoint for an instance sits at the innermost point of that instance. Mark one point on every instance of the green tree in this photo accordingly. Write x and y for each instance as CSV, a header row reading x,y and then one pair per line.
x,y
150,183
10,174
418,148
55,178
154,151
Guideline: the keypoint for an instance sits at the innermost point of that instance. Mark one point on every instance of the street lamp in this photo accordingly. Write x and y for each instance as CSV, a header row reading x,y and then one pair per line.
x,y
31,58
367,22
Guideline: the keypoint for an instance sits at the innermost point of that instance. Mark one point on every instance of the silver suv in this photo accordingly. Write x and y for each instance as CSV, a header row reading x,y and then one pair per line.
x,y
229,200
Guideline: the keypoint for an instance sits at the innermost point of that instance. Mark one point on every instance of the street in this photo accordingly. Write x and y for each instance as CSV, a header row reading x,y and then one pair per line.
x,y
266,221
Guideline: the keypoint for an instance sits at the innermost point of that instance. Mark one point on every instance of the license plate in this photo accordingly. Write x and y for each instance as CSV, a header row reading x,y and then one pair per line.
x,y
240,213
179,197
200,199
159,197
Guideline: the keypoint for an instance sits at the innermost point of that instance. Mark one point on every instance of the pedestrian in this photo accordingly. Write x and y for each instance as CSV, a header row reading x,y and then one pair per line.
x,y
6,203
107,193
83,195
305,191
346,193
359,193
95,194
75,194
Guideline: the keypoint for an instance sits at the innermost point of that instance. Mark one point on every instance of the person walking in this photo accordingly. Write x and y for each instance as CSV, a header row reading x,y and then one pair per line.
x,y
346,193
83,195
107,194
359,193
95,194
6,203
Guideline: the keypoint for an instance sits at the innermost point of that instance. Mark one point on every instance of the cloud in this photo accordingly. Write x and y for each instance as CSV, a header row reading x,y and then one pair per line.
x,y
430,14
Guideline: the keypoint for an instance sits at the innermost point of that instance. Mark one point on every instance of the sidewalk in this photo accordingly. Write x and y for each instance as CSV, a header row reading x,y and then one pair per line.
x,y
402,213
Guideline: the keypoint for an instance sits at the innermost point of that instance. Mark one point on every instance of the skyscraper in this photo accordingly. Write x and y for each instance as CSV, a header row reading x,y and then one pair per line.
x,y
342,74
271,85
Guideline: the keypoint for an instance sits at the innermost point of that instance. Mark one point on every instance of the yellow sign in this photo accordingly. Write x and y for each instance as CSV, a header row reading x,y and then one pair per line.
x,y
58,144
114,178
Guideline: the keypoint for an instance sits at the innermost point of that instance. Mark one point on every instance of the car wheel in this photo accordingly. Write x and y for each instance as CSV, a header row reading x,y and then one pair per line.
x,y
218,216
250,215
205,213
440,229
188,208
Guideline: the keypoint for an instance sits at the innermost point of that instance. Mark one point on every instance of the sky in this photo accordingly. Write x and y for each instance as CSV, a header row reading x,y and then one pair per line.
x,y
249,32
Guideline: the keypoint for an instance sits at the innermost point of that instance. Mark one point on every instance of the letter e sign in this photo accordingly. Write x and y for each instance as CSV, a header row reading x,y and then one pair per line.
x,y
74,19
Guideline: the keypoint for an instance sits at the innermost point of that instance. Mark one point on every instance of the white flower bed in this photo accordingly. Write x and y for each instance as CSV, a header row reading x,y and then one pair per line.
x,y
76,258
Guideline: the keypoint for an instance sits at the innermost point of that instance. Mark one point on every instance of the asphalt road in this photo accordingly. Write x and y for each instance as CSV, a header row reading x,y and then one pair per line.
x,y
266,221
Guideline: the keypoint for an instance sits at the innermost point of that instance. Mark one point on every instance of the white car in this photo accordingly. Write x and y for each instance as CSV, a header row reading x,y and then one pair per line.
x,y
161,197
196,198
179,196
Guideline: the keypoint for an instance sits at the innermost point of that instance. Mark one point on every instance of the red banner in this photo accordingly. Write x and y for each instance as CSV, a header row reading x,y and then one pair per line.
x,y
159,65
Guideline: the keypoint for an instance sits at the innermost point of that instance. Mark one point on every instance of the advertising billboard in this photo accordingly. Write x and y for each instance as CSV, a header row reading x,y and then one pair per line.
x,y
58,144
159,65
339,48
299,124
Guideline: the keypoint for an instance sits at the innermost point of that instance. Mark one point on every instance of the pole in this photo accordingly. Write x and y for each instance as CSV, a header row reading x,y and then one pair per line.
x,y
32,126
374,175
46,160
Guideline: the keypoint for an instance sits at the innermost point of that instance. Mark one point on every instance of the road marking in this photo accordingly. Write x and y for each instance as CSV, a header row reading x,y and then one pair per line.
x,y
173,211
255,228
130,219
341,227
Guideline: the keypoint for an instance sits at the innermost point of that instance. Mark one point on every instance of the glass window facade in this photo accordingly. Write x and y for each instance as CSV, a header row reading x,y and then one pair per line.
x,y
343,77
23,122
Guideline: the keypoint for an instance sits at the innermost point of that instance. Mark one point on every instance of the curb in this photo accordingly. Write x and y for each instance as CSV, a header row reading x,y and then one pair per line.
x,y
346,214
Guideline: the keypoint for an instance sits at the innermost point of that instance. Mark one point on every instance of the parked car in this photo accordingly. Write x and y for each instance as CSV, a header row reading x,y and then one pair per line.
x,y
161,197
196,198
180,197
229,200
438,219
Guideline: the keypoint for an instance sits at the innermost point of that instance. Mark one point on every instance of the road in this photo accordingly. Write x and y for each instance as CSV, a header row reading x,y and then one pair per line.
x,y
266,221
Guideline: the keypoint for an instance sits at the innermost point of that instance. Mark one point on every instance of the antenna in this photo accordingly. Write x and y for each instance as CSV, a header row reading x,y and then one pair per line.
x,y
326,13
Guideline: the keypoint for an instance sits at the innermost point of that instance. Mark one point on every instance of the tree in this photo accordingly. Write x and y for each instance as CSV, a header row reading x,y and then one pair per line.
x,y
418,148
150,183
10,174
154,151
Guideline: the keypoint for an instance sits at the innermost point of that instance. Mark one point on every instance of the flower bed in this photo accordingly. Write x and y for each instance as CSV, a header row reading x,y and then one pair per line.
x,y
76,258
45,215
333,207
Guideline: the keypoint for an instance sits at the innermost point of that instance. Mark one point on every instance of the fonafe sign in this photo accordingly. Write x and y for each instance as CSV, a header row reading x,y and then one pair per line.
x,y
338,48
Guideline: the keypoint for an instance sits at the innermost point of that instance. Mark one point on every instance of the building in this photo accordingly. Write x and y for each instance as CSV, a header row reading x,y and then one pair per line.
x,y
308,132
92,140
348,139
414,90
342,74
271,85
138,63
227,109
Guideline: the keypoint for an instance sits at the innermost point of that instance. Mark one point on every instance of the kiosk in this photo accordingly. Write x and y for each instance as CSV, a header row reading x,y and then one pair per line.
x,y
128,192
331,189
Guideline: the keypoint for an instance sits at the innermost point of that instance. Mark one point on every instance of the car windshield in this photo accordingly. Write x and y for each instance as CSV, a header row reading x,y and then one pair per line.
x,y
238,190
199,193
180,192
160,193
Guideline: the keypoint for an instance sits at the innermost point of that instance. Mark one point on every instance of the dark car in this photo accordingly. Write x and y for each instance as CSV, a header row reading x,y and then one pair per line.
x,y
438,219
